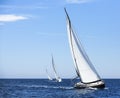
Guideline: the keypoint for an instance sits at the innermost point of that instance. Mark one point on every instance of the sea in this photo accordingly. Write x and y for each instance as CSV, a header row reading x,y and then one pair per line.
x,y
44,88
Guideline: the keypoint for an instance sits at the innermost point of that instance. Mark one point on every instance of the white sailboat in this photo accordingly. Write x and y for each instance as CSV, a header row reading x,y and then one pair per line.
x,y
83,66
57,78
49,77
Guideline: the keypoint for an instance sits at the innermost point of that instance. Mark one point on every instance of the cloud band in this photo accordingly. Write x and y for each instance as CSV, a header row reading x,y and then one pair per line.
x,y
11,18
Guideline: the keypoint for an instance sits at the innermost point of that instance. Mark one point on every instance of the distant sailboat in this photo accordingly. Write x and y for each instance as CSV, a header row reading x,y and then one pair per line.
x,y
57,78
50,78
83,66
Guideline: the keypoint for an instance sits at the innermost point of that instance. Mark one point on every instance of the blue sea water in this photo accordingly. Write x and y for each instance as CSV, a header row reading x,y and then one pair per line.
x,y
43,88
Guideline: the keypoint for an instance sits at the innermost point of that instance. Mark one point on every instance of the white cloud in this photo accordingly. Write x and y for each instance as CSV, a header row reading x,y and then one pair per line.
x,y
11,18
78,1
28,7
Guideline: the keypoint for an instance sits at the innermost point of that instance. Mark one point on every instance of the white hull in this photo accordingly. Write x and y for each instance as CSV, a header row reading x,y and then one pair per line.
x,y
59,80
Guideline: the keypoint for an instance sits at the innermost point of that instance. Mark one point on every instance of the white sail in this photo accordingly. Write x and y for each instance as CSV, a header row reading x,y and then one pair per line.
x,y
58,79
83,65
48,75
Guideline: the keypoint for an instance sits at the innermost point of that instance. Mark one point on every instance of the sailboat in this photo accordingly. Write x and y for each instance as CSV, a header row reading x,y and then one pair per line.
x,y
83,66
49,77
57,78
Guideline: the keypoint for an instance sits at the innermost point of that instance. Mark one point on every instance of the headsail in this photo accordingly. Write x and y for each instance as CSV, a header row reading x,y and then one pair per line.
x,y
83,65
58,79
50,78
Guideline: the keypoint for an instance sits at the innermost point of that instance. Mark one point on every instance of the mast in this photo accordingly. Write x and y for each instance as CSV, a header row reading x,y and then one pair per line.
x,y
71,45
83,65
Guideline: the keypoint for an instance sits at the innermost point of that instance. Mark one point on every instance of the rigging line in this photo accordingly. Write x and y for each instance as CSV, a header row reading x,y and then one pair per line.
x,y
84,54
74,55
80,47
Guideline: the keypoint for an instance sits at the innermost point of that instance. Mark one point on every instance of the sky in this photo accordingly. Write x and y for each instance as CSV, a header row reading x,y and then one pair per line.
x,y
33,30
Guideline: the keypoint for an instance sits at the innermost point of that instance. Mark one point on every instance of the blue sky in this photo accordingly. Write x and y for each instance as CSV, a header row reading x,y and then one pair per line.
x,y
32,30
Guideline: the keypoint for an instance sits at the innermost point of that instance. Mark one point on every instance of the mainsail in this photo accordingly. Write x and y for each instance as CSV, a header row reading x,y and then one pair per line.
x,y
84,67
58,79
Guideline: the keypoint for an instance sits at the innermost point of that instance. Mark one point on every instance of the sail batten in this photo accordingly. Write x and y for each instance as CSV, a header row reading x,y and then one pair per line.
x,y
83,65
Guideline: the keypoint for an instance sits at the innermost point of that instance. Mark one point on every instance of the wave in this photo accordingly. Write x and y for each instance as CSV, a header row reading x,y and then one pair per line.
x,y
46,87
106,88
93,88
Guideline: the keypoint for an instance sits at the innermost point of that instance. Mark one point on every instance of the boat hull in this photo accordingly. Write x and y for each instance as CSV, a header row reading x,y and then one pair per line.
x,y
98,84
